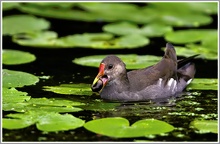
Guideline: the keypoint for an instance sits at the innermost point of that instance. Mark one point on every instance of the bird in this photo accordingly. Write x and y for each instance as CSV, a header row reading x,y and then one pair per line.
x,y
165,79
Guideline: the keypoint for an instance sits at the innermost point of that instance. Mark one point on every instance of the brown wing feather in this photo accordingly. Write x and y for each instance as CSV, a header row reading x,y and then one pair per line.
x,y
165,69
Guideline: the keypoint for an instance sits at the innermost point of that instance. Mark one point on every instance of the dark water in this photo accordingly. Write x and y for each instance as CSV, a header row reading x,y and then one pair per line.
x,y
58,64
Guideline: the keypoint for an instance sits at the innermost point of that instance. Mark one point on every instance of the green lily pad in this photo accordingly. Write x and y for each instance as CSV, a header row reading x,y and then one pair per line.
x,y
13,78
119,127
86,40
23,23
208,48
14,96
101,7
45,121
185,7
169,13
91,12
203,84
54,102
105,41
73,89
190,35
205,126
192,49
132,61
62,5
125,28
43,104
11,57
176,14
16,123
57,122
47,39
9,5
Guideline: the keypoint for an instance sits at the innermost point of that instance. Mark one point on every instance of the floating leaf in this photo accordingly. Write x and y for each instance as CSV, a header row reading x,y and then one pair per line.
x,y
207,49
192,49
190,35
204,51
90,12
12,57
15,106
57,122
54,102
205,126
43,104
23,23
119,127
13,78
9,5
185,7
47,39
129,41
86,40
125,28
46,121
173,14
14,96
73,89
132,61
203,84
108,7
62,5
16,123
105,41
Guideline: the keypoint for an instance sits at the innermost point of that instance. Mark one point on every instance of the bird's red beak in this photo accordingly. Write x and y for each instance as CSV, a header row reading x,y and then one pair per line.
x,y
100,80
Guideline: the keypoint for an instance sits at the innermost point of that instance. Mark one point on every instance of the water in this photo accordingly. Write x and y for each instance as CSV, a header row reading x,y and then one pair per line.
x,y
57,63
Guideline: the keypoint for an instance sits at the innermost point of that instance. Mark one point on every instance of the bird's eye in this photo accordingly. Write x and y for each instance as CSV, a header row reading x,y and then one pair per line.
x,y
110,66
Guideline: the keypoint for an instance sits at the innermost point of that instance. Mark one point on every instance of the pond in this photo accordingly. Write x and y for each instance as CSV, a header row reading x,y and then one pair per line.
x,y
60,106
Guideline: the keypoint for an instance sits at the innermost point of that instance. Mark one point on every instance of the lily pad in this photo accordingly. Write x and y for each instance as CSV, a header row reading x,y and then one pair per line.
x,y
57,122
13,96
132,61
175,15
205,126
204,7
90,12
119,127
125,28
192,49
23,23
86,40
62,5
47,39
45,121
54,102
11,57
13,78
208,38
43,104
203,84
16,123
70,89
105,41
190,35
9,5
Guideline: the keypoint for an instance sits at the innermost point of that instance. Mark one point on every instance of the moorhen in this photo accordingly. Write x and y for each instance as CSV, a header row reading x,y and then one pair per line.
x,y
165,79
